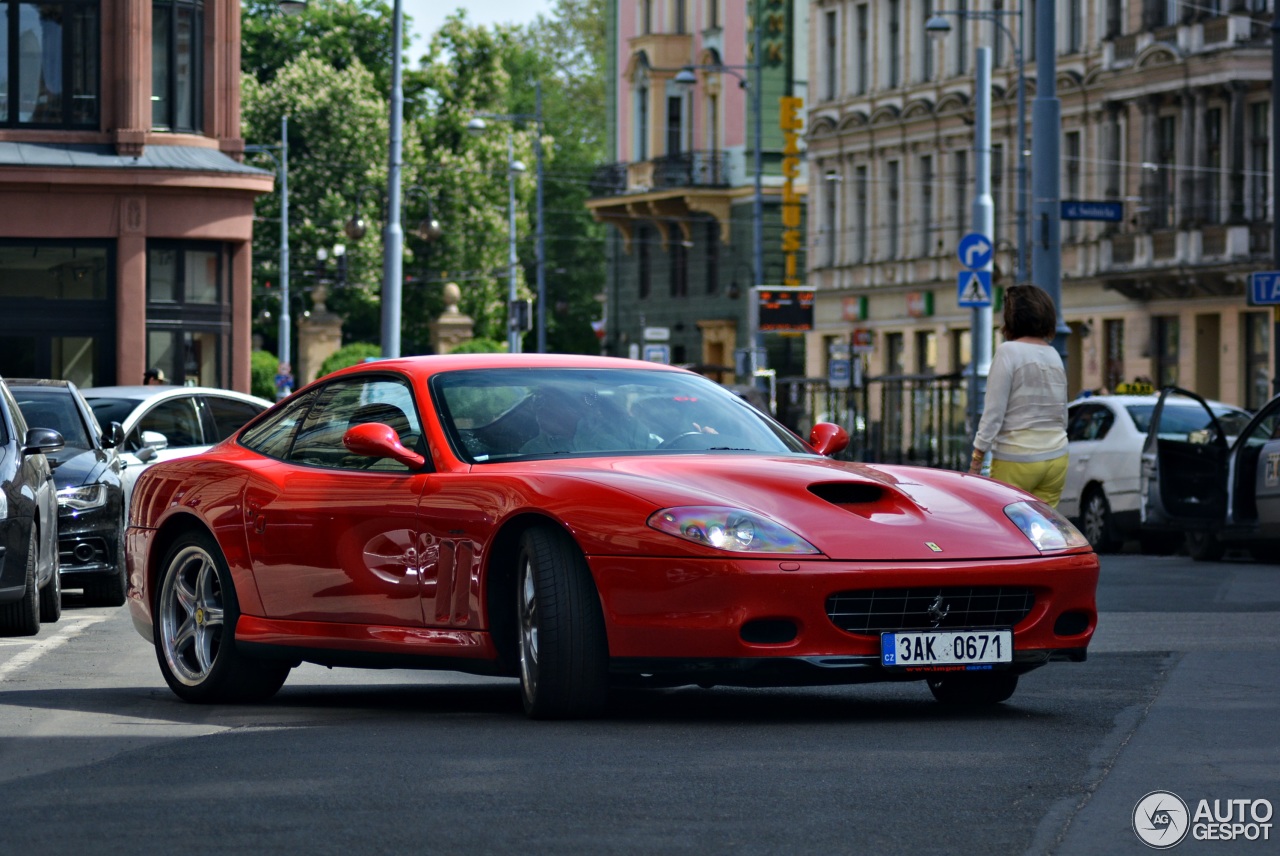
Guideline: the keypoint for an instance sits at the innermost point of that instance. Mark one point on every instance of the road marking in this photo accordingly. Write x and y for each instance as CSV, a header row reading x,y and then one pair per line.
x,y
65,633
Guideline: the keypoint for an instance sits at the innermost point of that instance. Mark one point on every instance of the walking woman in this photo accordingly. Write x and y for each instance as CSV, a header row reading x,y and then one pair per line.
x,y
1024,417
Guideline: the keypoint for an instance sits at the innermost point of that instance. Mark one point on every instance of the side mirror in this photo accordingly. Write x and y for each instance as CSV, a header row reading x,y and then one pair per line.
x,y
42,440
113,436
827,438
375,440
152,443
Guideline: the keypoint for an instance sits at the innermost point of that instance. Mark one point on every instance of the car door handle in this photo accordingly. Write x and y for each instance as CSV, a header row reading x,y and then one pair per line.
x,y
260,523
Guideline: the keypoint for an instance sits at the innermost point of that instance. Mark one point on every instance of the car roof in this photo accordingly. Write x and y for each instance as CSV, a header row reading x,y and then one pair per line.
x,y
29,382
146,393
1126,400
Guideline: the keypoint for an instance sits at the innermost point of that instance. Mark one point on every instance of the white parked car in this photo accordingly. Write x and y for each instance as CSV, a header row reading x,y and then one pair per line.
x,y
1105,438
166,422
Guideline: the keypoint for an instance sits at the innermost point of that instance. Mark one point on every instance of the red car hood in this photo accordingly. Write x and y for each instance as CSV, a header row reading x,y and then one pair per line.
x,y
852,512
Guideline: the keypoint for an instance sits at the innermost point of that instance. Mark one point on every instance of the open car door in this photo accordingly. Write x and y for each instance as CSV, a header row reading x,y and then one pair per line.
x,y
1184,466
1256,473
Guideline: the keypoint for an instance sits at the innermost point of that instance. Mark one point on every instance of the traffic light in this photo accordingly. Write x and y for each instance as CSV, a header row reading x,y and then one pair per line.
x,y
521,315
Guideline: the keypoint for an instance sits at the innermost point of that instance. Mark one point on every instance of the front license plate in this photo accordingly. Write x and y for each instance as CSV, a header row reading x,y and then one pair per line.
x,y
941,649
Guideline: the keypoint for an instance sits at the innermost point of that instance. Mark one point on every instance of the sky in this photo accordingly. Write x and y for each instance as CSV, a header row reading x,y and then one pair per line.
x,y
428,15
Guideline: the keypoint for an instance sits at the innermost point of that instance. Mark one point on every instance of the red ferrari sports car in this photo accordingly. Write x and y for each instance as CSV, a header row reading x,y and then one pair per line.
x,y
584,522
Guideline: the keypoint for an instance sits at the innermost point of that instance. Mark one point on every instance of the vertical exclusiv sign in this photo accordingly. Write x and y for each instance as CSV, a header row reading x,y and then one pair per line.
x,y
792,123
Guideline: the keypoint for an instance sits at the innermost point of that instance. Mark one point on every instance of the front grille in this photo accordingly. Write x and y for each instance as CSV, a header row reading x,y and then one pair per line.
x,y
887,610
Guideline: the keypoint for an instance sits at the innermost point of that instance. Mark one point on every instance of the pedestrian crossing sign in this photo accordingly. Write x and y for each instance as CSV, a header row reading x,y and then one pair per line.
x,y
973,288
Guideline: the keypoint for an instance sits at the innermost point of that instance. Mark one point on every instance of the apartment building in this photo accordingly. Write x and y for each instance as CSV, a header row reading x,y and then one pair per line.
x,y
1165,110
680,190
126,214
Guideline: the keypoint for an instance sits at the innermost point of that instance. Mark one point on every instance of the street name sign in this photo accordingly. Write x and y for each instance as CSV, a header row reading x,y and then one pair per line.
x,y
1079,209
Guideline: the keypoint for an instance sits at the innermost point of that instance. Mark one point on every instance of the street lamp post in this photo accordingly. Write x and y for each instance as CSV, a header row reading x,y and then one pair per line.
x,y
938,27
284,343
1046,258
393,242
477,125
514,168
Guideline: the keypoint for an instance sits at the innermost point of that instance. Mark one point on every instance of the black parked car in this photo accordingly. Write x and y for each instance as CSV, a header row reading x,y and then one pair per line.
x,y
91,509
29,589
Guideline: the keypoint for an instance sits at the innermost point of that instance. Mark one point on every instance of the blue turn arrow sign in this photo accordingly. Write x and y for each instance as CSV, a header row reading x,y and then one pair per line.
x,y
975,250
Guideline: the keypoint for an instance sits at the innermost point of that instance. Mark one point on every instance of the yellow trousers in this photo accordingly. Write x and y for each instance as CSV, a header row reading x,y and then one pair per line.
x,y
1043,478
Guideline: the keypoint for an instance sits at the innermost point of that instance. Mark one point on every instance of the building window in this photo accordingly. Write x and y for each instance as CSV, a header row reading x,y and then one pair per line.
x,y
863,61
646,17
962,37
189,310
713,13
1166,169
1113,342
831,56
831,205
1257,353
675,126
893,209
1071,166
961,192
711,230
49,64
895,44
927,46
859,226
678,259
926,205
1075,26
59,317
682,17
177,78
642,123
1211,196
1165,349
1259,162
644,272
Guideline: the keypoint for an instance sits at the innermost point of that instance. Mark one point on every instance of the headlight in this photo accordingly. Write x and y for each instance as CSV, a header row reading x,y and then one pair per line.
x,y
1044,526
84,497
730,529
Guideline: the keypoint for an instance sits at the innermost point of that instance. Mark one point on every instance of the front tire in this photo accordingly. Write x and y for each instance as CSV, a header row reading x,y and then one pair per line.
x,y
1204,546
563,648
982,689
1096,522
22,618
195,619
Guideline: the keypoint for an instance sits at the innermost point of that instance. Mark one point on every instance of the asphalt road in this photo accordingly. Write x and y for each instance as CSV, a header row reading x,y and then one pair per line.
x,y
1180,693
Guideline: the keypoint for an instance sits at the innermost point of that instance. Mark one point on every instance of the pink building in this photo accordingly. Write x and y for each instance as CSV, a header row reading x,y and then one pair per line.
x,y
126,214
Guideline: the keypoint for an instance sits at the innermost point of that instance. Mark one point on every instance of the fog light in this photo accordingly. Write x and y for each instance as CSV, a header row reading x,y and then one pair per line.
x,y
84,553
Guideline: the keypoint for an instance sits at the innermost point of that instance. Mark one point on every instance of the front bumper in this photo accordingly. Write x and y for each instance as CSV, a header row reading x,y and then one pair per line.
x,y
89,543
724,616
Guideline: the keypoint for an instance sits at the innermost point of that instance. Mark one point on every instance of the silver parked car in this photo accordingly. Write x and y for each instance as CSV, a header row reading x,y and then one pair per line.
x,y
166,422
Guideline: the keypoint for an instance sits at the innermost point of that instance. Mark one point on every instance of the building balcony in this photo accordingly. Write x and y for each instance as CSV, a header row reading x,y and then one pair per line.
x,y
685,169
1212,260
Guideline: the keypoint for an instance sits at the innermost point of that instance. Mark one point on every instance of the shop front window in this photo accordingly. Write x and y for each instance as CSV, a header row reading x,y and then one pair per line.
x,y
188,311
58,317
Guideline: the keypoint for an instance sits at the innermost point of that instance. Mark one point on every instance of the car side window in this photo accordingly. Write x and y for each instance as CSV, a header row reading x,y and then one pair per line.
x,y
177,419
229,415
274,435
1088,422
344,404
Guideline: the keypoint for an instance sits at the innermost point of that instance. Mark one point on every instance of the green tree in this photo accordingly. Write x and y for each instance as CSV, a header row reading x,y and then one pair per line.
x,y
262,374
349,355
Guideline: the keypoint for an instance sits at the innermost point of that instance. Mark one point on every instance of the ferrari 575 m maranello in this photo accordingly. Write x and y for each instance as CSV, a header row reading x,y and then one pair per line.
x,y
581,523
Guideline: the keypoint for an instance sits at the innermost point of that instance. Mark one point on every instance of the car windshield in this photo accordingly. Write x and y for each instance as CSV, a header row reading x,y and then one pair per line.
x,y
1183,417
110,410
505,414
54,409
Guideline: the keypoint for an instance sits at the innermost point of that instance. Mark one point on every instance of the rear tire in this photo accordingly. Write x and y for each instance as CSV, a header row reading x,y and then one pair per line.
x,y
22,618
974,690
51,597
1096,523
195,619
1204,546
563,648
